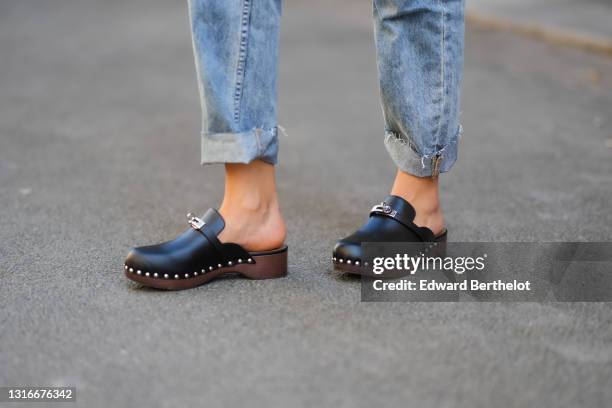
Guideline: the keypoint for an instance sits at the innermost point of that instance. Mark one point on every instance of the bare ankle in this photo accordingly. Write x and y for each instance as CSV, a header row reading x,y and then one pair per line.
x,y
250,204
250,207
250,187
424,195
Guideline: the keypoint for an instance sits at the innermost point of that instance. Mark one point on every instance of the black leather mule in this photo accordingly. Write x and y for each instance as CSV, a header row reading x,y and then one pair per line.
x,y
197,256
390,221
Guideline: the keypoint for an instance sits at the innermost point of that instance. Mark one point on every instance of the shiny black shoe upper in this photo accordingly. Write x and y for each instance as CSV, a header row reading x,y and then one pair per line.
x,y
390,221
197,256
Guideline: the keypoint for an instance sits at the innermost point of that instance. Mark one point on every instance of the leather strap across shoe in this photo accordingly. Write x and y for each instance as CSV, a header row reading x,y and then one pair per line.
x,y
390,221
197,256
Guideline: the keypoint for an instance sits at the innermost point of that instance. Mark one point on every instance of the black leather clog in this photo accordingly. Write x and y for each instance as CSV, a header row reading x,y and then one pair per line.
x,y
390,221
197,256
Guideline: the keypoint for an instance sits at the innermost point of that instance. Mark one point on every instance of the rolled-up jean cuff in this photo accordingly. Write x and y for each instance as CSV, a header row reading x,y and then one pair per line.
x,y
408,160
243,147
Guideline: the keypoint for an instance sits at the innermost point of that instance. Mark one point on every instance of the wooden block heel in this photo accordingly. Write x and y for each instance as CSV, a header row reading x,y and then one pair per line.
x,y
267,265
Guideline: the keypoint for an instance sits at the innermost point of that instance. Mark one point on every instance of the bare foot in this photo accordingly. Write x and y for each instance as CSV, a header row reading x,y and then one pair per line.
x,y
250,207
423,194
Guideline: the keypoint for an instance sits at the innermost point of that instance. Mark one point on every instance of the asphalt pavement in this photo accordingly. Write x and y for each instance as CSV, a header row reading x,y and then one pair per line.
x,y
573,17
99,151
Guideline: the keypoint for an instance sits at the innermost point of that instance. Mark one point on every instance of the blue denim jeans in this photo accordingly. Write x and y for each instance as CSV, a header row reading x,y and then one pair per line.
x,y
419,47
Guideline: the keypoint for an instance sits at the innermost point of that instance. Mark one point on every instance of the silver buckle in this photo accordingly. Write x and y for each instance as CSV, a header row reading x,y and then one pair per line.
x,y
195,222
384,208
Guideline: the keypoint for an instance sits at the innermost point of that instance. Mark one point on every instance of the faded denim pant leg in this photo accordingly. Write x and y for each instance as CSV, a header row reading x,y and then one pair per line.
x,y
419,45
236,50
420,59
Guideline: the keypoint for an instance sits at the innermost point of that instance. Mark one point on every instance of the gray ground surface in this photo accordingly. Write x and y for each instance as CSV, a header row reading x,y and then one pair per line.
x,y
584,17
99,150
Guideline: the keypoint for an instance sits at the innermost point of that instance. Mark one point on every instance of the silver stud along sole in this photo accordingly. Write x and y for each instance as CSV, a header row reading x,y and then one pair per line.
x,y
348,261
187,275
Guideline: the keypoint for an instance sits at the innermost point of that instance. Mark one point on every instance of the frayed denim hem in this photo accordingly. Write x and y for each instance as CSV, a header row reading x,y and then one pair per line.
x,y
243,147
405,156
